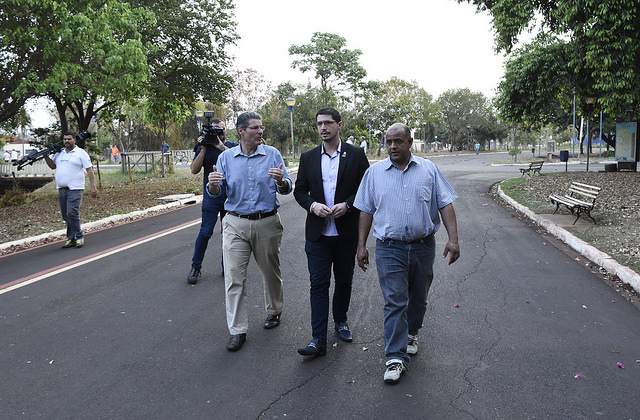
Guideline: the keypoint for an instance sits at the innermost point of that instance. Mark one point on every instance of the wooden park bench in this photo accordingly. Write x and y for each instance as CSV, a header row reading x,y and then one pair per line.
x,y
581,198
534,168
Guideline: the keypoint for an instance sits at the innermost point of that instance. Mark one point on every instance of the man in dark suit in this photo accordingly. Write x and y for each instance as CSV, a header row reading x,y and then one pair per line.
x,y
326,186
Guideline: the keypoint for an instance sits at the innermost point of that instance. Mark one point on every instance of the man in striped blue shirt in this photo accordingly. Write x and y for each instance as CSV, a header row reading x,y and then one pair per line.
x,y
403,197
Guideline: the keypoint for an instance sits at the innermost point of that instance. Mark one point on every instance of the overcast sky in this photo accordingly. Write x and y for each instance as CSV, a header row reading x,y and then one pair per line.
x,y
440,44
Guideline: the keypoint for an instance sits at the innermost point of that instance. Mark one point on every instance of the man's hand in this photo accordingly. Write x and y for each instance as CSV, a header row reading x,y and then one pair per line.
x,y
199,141
339,209
277,174
94,192
363,258
214,179
321,210
453,250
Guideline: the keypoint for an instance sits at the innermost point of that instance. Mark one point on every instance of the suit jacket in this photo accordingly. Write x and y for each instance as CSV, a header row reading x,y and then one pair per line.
x,y
309,188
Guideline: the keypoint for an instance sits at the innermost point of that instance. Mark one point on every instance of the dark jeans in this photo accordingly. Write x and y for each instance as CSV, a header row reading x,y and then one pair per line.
x,y
210,209
321,256
70,208
405,271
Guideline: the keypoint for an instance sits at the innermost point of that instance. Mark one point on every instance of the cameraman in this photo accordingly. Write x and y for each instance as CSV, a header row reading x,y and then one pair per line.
x,y
70,163
209,146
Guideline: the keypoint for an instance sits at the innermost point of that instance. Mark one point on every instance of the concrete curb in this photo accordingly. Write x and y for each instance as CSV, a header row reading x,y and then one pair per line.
x,y
103,222
86,227
604,260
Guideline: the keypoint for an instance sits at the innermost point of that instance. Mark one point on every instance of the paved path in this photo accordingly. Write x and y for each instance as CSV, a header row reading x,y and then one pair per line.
x,y
117,333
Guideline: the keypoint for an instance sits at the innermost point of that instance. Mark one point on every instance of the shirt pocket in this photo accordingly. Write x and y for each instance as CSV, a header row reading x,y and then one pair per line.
x,y
424,193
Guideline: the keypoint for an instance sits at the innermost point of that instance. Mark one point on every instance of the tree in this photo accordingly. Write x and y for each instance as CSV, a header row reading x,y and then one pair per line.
x,y
462,111
275,117
93,53
602,47
189,60
336,66
249,91
23,39
533,87
401,101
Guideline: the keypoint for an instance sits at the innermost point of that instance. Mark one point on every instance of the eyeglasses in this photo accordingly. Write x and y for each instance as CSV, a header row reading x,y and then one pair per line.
x,y
255,127
328,123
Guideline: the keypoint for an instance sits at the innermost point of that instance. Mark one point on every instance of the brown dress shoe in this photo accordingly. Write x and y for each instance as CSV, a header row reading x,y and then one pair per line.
x,y
272,321
236,341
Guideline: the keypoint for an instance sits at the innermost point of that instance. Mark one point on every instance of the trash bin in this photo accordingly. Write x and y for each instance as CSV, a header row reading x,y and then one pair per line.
x,y
564,156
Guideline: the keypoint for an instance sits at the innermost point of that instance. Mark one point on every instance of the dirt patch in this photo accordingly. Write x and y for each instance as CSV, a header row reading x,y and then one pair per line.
x,y
41,211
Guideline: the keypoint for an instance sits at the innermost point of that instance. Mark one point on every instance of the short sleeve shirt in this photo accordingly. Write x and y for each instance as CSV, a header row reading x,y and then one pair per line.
x,y
404,203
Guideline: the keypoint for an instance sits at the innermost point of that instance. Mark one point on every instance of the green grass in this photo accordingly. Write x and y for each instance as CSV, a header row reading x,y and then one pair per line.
x,y
519,190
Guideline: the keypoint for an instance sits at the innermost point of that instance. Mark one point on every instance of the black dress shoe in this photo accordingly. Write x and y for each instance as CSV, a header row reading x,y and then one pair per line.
x,y
236,341
342,328
314,349
272,321
194,276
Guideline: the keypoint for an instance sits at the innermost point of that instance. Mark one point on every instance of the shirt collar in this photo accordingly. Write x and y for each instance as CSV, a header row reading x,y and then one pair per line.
x,y
260,150
389,164
322,152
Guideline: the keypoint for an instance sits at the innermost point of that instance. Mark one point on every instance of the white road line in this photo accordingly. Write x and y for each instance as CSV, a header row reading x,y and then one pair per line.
x,y
16,284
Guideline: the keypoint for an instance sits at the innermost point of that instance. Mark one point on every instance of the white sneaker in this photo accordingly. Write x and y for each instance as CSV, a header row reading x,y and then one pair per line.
x,y
395,367
412,344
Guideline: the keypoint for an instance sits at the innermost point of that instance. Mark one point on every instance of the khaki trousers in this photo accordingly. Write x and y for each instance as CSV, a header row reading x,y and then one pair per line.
x,y
241,238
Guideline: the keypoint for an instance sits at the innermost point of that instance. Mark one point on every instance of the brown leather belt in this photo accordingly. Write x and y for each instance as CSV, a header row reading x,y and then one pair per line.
x,y
254,216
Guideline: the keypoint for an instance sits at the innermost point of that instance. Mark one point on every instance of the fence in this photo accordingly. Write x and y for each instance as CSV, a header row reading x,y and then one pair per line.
x,y
39,168
140,161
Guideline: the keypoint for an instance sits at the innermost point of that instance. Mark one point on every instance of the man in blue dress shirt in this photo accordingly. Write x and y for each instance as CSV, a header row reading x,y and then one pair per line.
x,y
250,175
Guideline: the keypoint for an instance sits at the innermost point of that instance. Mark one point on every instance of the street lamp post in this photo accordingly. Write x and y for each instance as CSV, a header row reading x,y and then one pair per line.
x,y
424,137
590,101
600,139
291,102
369,118
573,127
95,118
468,134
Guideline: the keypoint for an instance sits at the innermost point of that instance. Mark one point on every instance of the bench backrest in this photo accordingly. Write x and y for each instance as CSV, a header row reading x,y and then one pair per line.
x,y
586,191
536,164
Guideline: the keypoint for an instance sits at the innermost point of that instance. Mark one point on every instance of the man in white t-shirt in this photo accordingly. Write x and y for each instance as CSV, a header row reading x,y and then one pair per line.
x,y
363,143
7,156
14,156
70,164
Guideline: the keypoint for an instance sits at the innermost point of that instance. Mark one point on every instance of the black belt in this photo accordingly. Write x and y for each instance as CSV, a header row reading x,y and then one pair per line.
x,y
254,216
413,241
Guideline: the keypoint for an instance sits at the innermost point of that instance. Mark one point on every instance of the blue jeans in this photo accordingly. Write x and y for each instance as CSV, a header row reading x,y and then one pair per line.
x,y
210,209
321,256
70,208
405,271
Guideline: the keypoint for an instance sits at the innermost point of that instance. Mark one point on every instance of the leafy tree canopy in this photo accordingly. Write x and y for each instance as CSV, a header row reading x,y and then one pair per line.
x,y
189,59
602,46
85,52
463,111
397,100
334,64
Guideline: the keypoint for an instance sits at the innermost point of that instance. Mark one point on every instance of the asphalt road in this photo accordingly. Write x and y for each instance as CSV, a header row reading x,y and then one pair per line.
x,y
113,331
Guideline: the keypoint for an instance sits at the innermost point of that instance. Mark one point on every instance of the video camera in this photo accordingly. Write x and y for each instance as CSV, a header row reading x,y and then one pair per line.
x,y
81,137
33,157
211,133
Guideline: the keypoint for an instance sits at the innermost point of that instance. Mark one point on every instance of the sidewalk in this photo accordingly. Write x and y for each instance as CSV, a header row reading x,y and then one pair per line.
x,y
554,224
